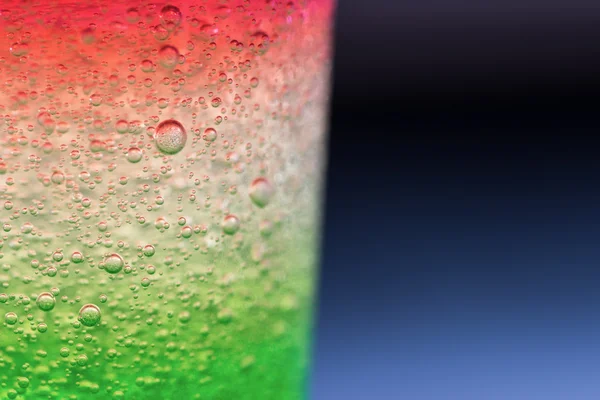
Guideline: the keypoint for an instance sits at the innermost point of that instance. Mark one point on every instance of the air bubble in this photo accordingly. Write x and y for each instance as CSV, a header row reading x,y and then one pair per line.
x,y
11,318
168,56
113,263
231,224
261,192
148,250
77,257
170,17
57,177
96,99
46,301
210,135
122,126
186,232
133,15
170,137
134,155
89,315
147,66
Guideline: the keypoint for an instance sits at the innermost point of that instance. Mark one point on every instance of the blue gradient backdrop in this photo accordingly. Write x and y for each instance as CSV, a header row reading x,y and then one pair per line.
x,y
461,256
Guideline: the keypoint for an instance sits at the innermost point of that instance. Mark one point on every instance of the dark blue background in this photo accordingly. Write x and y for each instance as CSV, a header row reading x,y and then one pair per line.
x,y
460,252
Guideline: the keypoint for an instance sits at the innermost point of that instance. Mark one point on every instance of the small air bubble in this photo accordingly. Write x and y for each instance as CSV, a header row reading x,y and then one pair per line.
x,y
231,224
89,315
170,17
46,301
261,192
113,263
134,155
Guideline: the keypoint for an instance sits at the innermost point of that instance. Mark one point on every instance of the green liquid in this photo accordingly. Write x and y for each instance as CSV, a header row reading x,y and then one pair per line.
x,y
234,329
